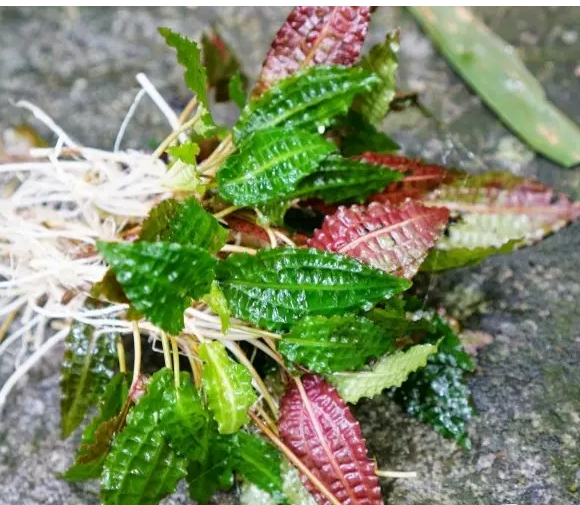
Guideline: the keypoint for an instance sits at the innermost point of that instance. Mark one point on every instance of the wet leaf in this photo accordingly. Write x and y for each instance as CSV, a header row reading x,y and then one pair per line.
x,y
314,36
228,386
321,431
309,100
394,239
358,136
333,344
276,287
161,279
270,165
494,70
88,365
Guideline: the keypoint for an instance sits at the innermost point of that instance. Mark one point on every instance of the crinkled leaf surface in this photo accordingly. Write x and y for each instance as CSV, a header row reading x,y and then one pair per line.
x,y
321,431
358,136
88,365
96,440
189,56
161,279
314,36
274,288
228,386
390,371
309,100
259,462
185,223
342,342
270,165
141,467
494,70
438,393
382,61
338,179
394,239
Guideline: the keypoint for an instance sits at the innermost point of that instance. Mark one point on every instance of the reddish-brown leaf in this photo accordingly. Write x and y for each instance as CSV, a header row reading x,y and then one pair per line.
x,y
419,178
394,239
320,430
314,36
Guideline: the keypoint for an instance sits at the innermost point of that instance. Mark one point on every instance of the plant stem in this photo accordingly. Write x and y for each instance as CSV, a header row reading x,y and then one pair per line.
x,y
173,135
260,386
294,460
188,110
7,322
166,354
137,359
238,248
121,355
211,165
269,421
270,352
396,475
226,211
175,362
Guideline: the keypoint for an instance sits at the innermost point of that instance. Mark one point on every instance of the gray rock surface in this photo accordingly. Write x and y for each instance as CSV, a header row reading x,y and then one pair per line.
x,y
79,65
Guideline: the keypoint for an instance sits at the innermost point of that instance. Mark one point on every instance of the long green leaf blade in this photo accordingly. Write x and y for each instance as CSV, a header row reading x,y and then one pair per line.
x,y
275,288
270,165
185,223
228,386
390,371
342,342
160,279
492,68
88,365
308,100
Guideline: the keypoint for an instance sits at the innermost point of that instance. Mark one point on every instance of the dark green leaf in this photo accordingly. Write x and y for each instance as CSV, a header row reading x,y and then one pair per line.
x,y
185,223
189,56
334,344
259,462
357,136
390,371
88,365
159,278
217,302
493,69
438,394
228,386
236,90
274,288
272,213
213,473
183,419
308,100
270,165
141,467
338,180
95,443
382,60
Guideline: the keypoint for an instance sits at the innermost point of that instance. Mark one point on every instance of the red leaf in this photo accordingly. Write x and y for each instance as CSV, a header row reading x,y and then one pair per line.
x,y
319,428
394,239
419,179
314,36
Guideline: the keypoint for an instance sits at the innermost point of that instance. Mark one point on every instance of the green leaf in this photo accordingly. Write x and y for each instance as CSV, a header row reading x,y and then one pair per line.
x,y
94,446
338,180
141,467
272,213
438,394
228,386
493,69
342,342
160,279
213,473
183,419
259,462
185,223
88,365
218,303
382,60
357,136
189,56
184,152
270,165
109,289
276,287
390,371
308,100
236,90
